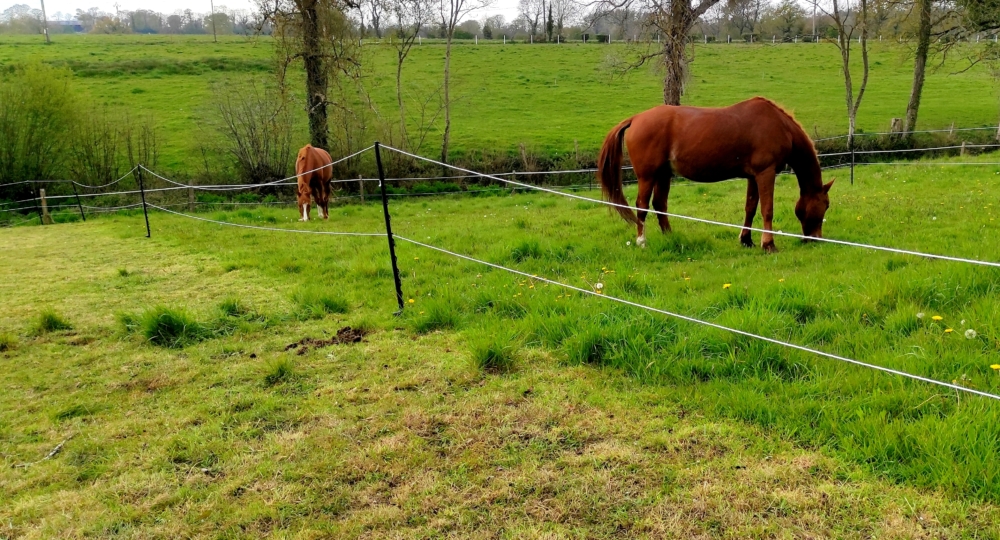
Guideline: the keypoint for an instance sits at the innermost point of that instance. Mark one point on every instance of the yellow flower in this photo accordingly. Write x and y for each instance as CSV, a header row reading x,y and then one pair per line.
x,y
727,285
782,280
947,330
412,300
416,258
687,279
995,366
937,318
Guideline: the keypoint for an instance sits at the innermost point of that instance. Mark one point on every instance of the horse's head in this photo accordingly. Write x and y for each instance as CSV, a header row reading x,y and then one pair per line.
x,y
811,209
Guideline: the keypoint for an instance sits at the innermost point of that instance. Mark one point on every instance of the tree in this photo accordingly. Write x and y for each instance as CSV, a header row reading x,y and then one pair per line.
x,y
451,12
532,11
786,19
318,33
744,15
410,18
549,26
672,20
851,18
566,12
923,10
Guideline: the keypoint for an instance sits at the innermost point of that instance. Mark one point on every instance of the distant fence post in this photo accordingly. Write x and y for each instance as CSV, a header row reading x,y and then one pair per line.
x,y
191,199
850,142
46,218
78,204
137,172
361,188
38,206
388,228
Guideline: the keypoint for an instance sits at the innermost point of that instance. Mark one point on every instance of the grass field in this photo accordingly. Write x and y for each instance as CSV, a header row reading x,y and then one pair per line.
x,y
544,96
610,421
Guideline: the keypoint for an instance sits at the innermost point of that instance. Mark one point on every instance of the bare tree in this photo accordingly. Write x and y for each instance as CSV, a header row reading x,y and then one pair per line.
x,y
254,122
566,12
452,11
851,18
744,15
671,21
319,33
410,17
532,11
923,9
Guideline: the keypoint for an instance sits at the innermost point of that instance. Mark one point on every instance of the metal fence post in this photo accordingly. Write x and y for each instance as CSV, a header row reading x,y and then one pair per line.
x,y
78,204
142,191
388,228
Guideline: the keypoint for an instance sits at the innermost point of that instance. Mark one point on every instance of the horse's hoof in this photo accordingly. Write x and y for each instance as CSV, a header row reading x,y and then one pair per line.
x,y
641,241
769,247
747,241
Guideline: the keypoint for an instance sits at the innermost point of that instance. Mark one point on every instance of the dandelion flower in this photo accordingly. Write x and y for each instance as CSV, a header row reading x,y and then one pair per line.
x,y
598,286
416,258
412,300
948,330
727,285
970,334
963,322
995,367
782,280
629,243
920,315
687,279
937,318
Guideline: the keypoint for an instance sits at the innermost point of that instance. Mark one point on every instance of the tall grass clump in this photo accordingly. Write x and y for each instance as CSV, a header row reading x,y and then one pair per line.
x,y
50,321
166,327
494,352
438,315
7,342
316,303
278,372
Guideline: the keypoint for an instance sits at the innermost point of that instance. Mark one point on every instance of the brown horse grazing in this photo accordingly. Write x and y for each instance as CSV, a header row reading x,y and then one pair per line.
x,y
753,139
313,182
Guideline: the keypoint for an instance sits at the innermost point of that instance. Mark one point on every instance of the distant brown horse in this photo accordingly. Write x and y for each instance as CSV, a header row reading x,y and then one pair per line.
x,y
753,139
313,181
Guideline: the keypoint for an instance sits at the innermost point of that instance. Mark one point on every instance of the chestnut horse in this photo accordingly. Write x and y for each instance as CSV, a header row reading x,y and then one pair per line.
x,y
313,181
753,139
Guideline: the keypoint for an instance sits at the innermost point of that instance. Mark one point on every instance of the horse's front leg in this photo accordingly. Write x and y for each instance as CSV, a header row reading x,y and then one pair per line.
x,y
660,194
642,203
751,208
304,205
765,187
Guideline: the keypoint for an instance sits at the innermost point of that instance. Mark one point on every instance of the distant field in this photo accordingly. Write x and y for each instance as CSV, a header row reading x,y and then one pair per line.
x,y
613,420
544,96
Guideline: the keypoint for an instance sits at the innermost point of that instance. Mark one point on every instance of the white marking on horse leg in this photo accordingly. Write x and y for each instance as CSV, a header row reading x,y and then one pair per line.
x,y
641,240
305,212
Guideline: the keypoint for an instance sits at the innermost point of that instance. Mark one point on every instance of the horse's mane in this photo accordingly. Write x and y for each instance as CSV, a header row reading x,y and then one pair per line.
x,y
806,141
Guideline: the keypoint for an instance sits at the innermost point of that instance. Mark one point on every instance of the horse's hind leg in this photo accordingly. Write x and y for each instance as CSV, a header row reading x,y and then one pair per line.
x,y
765,187
642,203
303,200
661,191
751,209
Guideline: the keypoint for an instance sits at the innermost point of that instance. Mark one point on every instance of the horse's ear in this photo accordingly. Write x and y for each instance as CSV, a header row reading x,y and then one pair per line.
x,y
828,185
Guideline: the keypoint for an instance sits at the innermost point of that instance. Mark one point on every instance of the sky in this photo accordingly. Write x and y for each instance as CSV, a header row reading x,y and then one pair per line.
x,y
507,8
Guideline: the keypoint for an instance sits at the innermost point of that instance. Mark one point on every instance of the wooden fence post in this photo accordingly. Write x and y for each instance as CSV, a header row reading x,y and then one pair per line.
x,y
361,188
191,199
46,218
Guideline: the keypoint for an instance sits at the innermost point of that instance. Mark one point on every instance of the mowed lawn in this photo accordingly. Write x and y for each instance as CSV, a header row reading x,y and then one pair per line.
x,y
546,97
612,421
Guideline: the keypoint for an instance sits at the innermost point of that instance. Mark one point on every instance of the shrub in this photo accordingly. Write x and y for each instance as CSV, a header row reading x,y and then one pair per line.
x,y
50,321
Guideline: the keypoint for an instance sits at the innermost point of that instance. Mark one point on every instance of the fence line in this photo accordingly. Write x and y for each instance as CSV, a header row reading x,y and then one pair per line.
x,y
277,229
706,323
708,221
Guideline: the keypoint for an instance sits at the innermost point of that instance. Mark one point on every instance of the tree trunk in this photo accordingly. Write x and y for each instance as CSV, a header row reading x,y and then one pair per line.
x,y
447,99
316,77
919,65
674,43
399,100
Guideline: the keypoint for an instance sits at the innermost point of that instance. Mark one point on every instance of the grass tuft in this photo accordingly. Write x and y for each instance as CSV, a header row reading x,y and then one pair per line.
x,y
278,372
315,303
50,321
494,353
7,342
167,327
438,315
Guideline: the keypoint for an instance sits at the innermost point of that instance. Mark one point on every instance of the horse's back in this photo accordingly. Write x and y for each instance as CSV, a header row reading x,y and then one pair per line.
x,y
310,159
710,144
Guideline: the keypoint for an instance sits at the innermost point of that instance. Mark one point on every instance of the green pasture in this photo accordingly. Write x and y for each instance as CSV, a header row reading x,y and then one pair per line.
x,y
546,97
169,367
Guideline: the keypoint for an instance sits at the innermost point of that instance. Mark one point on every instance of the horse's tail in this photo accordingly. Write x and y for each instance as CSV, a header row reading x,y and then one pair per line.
x,y
609,170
